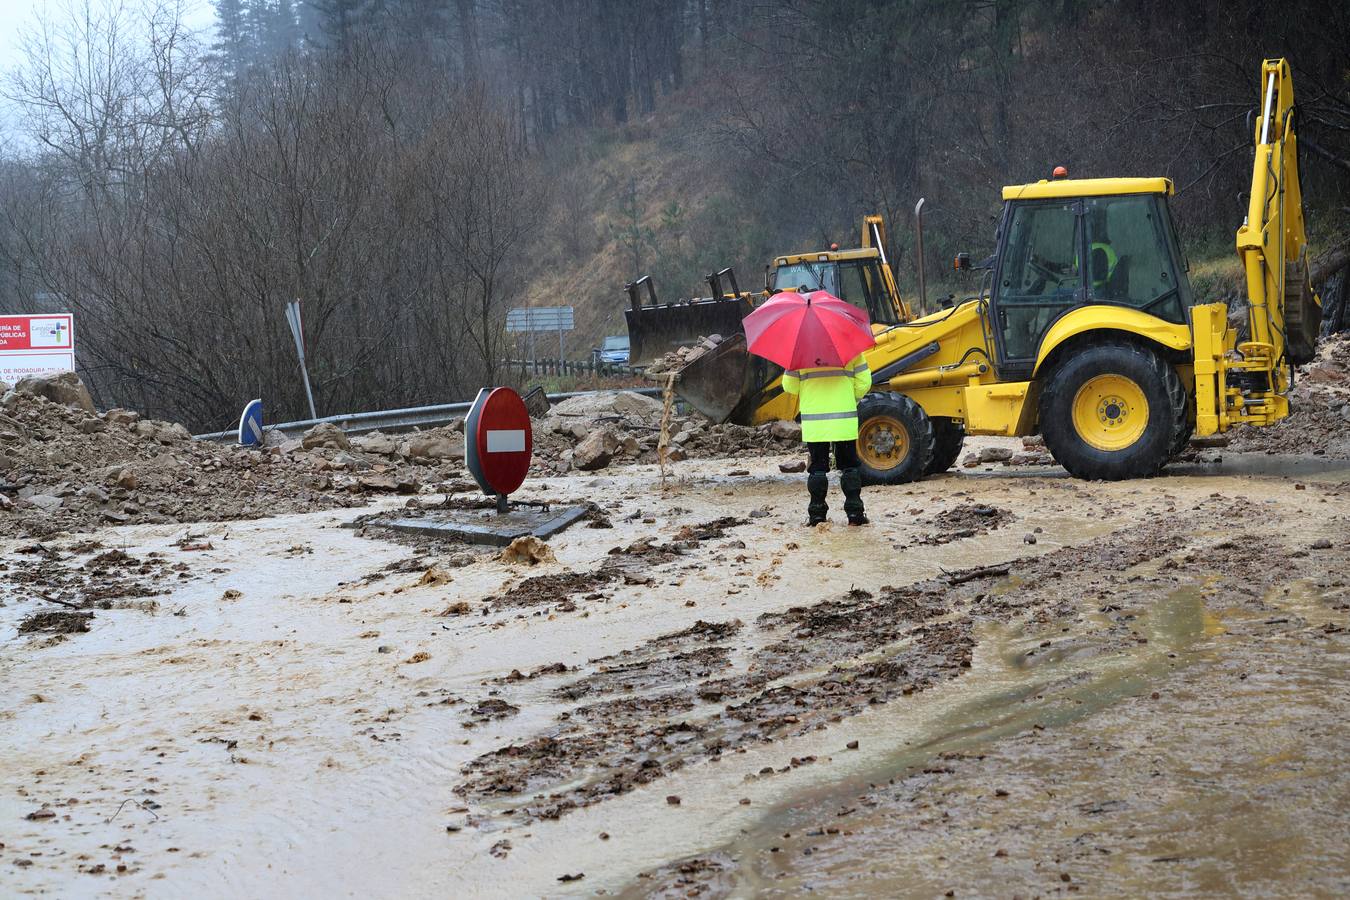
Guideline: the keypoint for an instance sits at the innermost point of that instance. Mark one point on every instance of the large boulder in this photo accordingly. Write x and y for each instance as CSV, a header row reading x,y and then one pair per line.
x,y
325,434
567,426
61,387
379,444
45,502
597,450
161,432
124,417
438,443
783,430
610,405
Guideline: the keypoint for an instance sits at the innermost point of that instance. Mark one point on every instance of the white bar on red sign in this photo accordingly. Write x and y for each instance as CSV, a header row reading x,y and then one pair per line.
x,y
506,441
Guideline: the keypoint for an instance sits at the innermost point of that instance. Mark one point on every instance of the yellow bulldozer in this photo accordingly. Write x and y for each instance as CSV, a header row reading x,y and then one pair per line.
x,y
1084,329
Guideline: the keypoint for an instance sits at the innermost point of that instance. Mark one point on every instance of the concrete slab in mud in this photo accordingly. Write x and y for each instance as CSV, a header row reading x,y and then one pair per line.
x,y
487,526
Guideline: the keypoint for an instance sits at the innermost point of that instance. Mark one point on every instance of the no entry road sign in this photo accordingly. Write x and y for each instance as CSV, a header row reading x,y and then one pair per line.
x,y
498,441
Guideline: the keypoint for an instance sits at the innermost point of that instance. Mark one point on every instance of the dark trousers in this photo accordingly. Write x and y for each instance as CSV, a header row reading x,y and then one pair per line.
x,y
845,455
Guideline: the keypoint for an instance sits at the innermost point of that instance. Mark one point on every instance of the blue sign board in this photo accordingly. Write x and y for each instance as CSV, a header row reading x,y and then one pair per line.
x,y
251,425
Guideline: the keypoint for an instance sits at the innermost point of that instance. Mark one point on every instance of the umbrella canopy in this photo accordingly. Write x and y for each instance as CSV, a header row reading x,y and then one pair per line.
x,y
807,331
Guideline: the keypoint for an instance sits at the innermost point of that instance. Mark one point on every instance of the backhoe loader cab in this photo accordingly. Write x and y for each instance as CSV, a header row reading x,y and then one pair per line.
x,y
1068,244
852,275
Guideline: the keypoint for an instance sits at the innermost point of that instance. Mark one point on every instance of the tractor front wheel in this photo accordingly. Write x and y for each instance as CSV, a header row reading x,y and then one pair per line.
x,y
895,439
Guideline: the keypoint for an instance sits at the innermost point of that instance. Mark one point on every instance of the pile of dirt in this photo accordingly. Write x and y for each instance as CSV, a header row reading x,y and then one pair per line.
x,y
611,428
57,622
64,467
1319,419
963,521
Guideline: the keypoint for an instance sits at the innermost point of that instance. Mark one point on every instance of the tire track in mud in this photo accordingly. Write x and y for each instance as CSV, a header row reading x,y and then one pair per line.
x,y
719,688
1094,772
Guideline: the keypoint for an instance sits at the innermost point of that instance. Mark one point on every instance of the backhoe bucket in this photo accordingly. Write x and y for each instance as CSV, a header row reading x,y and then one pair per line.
x,y
654,331
721,382
1302,313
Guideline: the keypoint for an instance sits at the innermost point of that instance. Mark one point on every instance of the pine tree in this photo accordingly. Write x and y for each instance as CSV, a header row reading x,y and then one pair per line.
x,y
258,27
338,21
285,26
232,38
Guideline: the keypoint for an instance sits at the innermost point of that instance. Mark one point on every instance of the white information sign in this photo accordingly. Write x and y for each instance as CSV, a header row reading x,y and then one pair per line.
x,y
36,345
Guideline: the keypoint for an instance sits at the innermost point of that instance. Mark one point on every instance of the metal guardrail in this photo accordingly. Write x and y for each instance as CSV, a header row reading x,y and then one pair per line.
x,y
393,420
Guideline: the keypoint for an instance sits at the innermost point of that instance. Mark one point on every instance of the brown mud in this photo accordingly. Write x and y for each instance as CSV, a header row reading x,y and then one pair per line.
x,y
707,699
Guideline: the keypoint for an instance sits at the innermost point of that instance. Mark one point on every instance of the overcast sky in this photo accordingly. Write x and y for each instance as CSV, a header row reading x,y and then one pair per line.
x,y
18,16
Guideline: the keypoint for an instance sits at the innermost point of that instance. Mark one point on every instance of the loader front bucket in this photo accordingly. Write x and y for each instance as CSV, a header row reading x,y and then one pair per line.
x,y
654,331
723,382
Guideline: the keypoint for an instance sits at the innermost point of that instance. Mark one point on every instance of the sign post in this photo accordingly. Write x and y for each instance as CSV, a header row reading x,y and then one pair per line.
x,y
530,319
498,441
36,345
298,332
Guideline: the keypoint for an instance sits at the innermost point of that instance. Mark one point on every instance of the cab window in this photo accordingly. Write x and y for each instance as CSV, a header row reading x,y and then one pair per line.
x,y
821,276
860,284
1130,260
857,281
1040,276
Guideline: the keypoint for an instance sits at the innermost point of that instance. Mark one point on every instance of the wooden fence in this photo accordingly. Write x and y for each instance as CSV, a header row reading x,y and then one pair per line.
x,y
588,367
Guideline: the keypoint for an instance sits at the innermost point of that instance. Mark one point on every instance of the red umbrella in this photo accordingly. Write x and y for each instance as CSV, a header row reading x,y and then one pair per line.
x,y
804,332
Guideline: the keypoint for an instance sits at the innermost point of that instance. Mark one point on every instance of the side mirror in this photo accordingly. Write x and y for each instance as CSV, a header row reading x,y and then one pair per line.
x,y
962,261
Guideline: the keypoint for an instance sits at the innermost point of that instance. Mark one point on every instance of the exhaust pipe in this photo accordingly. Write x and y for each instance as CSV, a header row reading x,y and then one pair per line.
x,y
918,241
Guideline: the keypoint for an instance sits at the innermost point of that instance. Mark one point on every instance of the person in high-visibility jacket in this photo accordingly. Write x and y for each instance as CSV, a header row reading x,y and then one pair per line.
x,y
1104,262
828,398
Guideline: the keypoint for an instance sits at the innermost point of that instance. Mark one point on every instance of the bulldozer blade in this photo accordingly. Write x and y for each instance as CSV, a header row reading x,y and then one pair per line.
x,y
654,331
720,381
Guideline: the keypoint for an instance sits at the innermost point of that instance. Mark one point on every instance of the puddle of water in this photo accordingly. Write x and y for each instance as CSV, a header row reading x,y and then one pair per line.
x,y
1273,465
1230,464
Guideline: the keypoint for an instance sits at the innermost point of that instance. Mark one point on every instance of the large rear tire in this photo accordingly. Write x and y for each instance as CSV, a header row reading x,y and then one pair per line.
x,y
1182,439
895,439
1113,410
948,437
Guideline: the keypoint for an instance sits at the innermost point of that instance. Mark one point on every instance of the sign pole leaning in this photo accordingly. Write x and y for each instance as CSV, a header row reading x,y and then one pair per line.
x,y
298,332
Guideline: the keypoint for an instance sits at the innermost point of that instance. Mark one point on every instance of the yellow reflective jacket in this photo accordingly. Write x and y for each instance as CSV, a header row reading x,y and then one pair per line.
x,y
1099,275
828,398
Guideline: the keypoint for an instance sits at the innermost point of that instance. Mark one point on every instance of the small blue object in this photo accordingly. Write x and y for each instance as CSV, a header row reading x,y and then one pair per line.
x,y
251,425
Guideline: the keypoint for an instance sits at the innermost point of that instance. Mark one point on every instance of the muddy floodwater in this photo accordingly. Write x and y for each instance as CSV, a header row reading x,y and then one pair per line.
x,y
1009,684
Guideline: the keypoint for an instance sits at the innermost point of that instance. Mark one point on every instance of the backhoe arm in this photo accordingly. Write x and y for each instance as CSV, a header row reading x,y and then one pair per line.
x,y
874,235
1284,312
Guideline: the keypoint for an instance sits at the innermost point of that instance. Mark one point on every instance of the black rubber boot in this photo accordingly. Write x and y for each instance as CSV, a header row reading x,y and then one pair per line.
x,y
850,482
817,485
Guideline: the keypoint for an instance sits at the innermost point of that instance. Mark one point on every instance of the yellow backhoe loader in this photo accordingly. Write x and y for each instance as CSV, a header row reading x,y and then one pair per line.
x,y
1084,329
